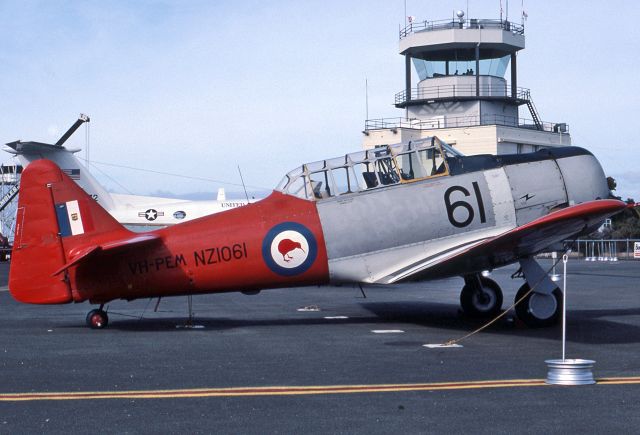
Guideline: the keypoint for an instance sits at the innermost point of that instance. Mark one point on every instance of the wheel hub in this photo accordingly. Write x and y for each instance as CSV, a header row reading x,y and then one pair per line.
x,y
484,299
542,306
96,320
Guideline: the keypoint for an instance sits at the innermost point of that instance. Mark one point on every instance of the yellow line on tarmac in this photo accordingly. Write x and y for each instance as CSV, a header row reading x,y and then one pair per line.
x,y
619,381
289,390
265,391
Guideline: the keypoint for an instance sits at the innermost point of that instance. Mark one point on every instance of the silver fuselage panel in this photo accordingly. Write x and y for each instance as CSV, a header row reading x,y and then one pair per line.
x,y
388,234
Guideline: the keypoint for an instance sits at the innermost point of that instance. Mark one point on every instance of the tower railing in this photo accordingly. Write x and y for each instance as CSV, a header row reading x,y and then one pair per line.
x,y
473,23
462,91
463,121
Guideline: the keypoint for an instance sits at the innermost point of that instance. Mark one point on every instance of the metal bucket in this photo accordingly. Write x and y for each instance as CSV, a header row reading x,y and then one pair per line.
x,y
570,372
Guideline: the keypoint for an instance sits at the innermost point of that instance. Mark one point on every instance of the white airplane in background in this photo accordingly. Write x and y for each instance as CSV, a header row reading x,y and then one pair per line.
x,y
130,210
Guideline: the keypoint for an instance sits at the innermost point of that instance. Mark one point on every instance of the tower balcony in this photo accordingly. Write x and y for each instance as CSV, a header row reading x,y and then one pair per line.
x,y
430,26
426,94
436,40
442,122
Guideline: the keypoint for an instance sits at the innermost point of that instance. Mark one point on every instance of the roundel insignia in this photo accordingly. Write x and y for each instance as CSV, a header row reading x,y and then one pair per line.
x,y
151,214
289,249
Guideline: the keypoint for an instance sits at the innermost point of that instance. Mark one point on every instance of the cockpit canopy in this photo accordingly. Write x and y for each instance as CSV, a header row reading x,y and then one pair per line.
x,y
371,169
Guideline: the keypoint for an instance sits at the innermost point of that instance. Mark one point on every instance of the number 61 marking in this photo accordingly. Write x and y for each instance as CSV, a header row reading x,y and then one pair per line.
x,y
451,206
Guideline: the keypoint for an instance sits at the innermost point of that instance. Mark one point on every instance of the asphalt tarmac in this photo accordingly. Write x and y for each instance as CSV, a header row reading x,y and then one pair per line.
x,y
272,363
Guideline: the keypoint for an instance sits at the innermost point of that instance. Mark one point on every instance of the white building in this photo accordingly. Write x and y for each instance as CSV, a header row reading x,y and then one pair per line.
x,y
462,95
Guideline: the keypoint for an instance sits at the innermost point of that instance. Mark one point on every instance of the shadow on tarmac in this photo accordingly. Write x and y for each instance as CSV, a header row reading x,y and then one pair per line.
x,y
598,326
583,326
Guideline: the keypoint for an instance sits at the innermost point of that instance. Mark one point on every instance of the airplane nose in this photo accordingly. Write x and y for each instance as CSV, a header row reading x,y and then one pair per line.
x,y
583,176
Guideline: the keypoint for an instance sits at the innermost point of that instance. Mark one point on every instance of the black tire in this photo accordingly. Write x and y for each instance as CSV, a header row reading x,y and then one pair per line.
x,y
485,303
525,314
97,319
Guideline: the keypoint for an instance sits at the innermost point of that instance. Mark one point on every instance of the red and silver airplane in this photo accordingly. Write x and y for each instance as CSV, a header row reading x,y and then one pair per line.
x,y
398,213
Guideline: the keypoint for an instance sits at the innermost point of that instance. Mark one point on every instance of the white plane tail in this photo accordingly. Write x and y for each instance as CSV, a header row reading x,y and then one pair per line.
x,y
222,196
27,152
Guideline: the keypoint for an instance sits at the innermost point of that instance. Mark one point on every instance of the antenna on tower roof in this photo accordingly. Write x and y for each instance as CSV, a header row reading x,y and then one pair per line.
x,y
405,13
366,97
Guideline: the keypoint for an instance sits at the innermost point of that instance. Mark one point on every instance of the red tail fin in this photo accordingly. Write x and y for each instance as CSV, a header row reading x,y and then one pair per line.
x,y
56,219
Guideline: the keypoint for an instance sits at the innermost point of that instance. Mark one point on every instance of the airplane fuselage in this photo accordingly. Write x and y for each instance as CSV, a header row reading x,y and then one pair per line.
x,y
392,214
381,235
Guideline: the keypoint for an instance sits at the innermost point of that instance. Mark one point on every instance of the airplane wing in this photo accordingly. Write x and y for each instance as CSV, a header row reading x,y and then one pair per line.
x,y
523,241
112,245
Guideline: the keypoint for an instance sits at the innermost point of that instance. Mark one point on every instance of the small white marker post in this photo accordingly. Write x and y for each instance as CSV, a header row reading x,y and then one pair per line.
x,y
309,308
564,304
440,345
568,371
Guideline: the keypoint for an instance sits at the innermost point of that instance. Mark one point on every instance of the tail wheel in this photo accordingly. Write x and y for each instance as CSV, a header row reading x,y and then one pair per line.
x,y
485,301
97,319
539,310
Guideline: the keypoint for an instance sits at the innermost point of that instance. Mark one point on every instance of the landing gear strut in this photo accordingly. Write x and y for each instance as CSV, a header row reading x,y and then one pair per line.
x,y
480,297
97,319
539,310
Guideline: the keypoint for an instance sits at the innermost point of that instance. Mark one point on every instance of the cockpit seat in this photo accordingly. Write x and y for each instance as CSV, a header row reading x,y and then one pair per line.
x,y
316,190
370,179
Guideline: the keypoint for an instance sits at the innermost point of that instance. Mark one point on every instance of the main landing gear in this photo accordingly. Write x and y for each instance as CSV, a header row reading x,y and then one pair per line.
x,y
97,319
480,297
542,306
538,310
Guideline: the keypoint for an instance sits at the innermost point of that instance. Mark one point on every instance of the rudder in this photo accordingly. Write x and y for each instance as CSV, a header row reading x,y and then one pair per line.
x,y
55,219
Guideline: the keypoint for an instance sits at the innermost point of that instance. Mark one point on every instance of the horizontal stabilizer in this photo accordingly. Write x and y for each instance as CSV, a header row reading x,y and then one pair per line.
x,y
30,147
112,245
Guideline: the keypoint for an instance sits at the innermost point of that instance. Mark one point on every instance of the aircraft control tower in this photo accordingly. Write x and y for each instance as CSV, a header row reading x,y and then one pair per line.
x,y
461,94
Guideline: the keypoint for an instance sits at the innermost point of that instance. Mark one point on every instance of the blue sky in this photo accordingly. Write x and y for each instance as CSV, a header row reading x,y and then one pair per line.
x,y
200,87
